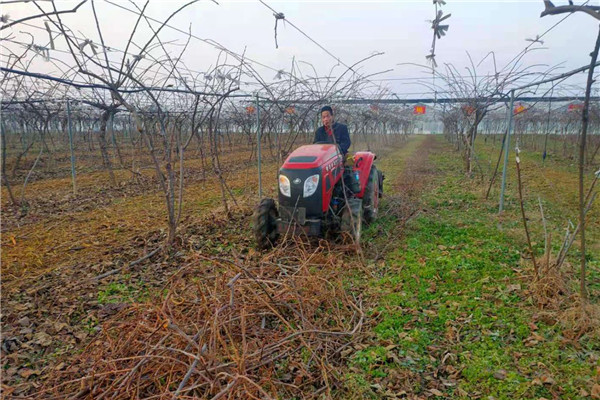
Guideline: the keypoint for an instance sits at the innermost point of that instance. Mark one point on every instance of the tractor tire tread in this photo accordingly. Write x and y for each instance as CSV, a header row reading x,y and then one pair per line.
x,y
265,229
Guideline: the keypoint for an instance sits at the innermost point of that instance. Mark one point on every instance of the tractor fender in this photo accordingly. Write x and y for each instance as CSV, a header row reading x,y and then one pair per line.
x,y
363,161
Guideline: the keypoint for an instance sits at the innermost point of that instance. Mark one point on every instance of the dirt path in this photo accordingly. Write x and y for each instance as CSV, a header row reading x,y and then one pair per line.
x,y
408,175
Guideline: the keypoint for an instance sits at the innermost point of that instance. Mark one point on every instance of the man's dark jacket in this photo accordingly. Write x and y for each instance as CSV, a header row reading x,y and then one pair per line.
x,y
342,138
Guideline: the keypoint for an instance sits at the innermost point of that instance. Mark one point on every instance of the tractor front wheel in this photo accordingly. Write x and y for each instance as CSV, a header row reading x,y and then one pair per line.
x,y
265,224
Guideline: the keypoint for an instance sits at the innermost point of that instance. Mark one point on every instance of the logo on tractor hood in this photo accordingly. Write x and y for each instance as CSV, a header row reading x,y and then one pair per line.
x,y
297,181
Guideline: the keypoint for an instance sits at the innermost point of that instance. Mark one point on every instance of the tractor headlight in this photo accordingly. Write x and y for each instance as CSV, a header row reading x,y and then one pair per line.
x,y
284,186
311,185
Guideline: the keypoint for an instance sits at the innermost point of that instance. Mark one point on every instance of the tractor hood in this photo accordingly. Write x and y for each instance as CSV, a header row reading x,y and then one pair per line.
x,y
310,156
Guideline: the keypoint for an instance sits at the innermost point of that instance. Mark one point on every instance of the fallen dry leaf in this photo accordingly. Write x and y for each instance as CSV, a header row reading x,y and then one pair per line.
x,y
548,380
42,338
595,391
513,288
500,374
26,372
59,326
532,326
536,382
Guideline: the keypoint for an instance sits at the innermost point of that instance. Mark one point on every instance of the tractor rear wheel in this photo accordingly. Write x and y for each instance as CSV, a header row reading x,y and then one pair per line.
x,y
371,196
265,224
352,217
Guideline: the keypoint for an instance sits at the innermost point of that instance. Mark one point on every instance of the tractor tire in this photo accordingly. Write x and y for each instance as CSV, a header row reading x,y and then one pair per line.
x,y
265,224
352,217
371,196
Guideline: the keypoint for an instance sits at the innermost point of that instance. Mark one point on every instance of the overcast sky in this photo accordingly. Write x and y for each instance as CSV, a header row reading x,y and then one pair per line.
x,y
350,30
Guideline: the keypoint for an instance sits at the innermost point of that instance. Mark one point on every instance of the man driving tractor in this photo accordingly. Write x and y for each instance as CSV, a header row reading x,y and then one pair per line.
x,y
332,132
322,189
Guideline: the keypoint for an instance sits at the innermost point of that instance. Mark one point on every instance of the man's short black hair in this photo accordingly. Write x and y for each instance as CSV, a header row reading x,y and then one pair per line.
x,y
327,108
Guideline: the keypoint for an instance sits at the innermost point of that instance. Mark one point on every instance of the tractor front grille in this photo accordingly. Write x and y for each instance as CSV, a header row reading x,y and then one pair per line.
x,y
313,205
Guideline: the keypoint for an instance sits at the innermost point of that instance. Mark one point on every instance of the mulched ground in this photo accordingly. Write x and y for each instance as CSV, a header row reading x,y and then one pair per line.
x,y
228,318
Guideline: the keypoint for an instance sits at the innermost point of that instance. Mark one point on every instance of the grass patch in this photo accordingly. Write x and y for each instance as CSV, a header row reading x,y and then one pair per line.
x,y
454,313
122,293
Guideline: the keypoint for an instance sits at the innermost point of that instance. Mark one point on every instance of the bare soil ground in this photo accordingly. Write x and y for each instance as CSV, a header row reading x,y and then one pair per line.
x,y
66,266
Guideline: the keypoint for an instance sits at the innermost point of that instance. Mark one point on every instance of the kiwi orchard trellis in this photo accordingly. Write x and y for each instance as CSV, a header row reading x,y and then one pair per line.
x,y
511,113
123,80
258,100
139,81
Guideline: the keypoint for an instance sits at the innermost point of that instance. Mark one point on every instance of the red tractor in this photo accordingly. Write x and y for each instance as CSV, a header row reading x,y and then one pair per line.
x,y
320,195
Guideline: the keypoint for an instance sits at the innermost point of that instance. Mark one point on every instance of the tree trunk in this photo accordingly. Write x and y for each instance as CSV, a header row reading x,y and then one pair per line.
x,y
114,141
4,177
584,126
104,147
